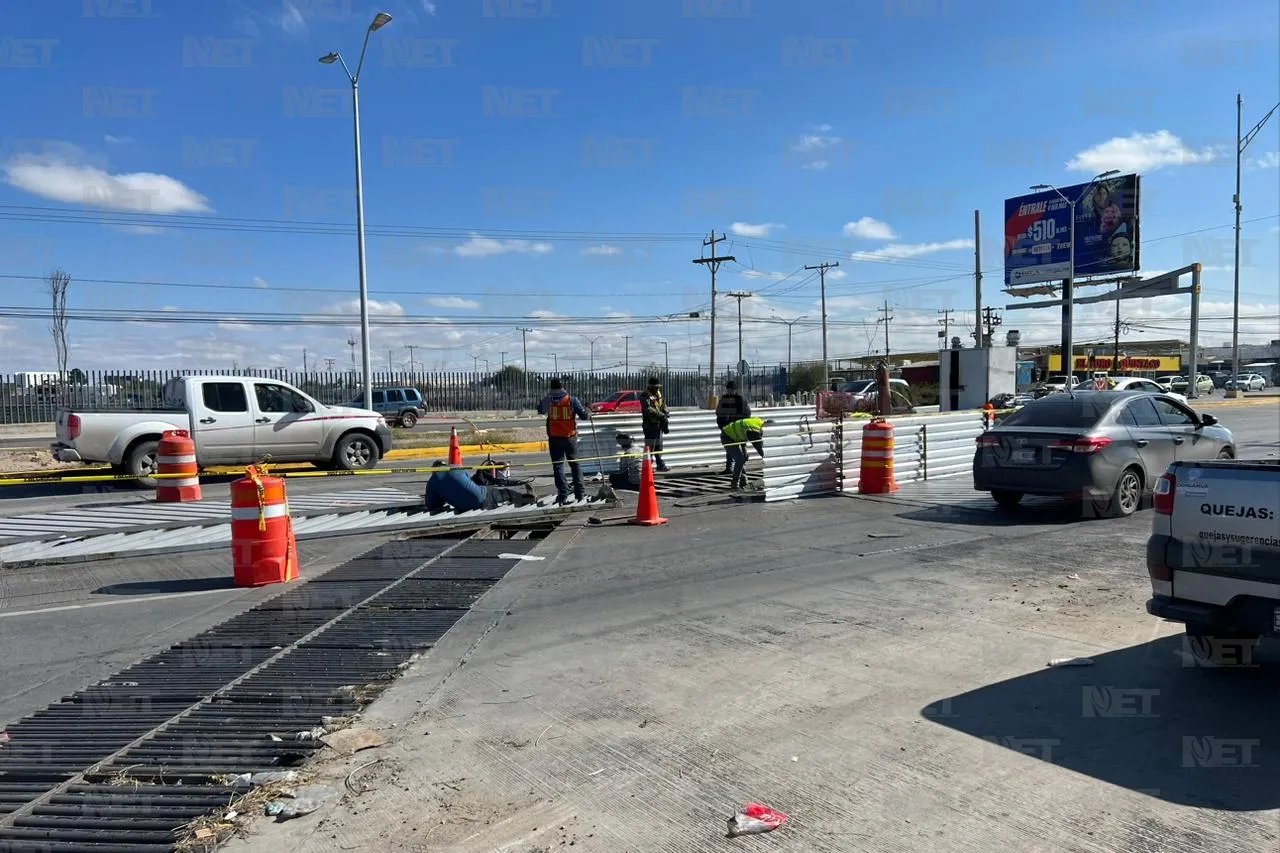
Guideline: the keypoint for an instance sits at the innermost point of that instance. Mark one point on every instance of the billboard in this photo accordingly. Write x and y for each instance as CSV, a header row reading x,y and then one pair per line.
x,y
1037,232
1128,364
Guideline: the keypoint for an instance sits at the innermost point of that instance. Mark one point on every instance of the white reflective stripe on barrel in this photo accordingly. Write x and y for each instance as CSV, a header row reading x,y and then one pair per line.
x,y
176,460
179,483
250,513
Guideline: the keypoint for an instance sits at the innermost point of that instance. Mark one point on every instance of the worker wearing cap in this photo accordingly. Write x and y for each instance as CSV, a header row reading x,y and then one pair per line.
x,y
654,421
732,407
739,434
562,412
629,465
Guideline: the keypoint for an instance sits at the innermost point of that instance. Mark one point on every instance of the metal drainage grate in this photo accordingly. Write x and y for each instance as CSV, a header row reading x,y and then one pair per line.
x,y
125,765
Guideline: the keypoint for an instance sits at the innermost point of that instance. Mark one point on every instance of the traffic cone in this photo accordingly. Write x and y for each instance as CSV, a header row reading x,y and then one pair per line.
x,y
455,450
647,507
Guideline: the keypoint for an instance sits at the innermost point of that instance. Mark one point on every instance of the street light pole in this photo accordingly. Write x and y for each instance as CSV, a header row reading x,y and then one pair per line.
x,y
791,323
739,295
592,363
666,360
380,20
1242,142
1069,285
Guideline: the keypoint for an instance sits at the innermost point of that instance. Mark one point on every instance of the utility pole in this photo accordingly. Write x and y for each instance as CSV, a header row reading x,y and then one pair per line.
x,y
555,360
713,264
592,341
626,354
504,360
885,317
411,348
304,360
1242,142
739,295
1115,350
351,342
990,321
822,286
666,360
391,365
475,364
945,323
790,323
328,363
524,348
977,277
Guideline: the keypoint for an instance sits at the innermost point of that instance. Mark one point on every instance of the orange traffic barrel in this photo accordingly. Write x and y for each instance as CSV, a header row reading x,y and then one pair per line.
x,y
876,474
263,546
176,460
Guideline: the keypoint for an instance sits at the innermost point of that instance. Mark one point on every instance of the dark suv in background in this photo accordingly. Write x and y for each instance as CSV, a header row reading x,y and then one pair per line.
x,y
401,406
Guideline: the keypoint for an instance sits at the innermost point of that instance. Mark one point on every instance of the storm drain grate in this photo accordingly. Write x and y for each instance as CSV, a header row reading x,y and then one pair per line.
x,y
126,764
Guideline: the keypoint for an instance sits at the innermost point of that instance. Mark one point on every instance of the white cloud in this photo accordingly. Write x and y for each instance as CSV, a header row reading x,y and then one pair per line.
x,y
771,276
260,282
139,229
904,251
867,228
64,179
1269,160
452,302
814,144
352,307
291,19
1139,152
483,247
746,229
618,315
116,140
428,7
602,250
232,326
836,275
544,314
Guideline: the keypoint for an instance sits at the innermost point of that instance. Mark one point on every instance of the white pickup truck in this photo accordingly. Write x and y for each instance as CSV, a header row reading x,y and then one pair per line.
x,y
233,420
1214,556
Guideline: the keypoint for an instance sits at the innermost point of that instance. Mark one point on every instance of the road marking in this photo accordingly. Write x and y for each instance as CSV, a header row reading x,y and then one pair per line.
x,y
127,600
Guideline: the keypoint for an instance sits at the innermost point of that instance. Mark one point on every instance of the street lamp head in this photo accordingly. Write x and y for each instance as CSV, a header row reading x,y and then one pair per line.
x,y
1041,187
1107,174
380,20
330,58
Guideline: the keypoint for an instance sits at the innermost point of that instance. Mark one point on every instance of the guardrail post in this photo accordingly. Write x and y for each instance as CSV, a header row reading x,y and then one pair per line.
x,y
924,451
838,433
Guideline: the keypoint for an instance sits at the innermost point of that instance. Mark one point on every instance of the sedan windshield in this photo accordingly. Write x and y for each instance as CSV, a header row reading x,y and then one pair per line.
x,y
1060,410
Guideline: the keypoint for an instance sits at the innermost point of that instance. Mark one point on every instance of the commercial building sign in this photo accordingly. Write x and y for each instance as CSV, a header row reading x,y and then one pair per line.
x,y
1037,232
1129,364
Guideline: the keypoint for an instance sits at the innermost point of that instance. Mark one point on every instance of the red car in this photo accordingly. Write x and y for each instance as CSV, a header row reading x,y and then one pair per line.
x,y
624,402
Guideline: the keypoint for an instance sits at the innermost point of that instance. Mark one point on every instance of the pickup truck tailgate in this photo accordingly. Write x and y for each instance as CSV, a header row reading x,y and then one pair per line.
x,y
1225,524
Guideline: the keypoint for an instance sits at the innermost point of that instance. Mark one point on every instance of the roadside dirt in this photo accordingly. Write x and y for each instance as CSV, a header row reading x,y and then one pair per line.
x,y
31,459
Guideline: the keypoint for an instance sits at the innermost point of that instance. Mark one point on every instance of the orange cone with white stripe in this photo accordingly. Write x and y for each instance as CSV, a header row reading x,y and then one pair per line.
x,y
263,547
647,514
455,450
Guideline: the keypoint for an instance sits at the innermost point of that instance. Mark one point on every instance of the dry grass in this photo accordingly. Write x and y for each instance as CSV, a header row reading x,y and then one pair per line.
x,y
205,833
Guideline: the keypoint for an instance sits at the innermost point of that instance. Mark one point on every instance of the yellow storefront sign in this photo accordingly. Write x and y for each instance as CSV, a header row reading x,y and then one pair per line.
x,y
1130,364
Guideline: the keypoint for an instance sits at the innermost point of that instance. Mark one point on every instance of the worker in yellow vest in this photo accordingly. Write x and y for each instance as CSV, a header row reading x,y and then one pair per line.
x,y
739,434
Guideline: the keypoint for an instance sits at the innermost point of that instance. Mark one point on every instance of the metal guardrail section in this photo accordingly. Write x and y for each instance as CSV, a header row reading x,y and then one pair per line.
x,y
694,440
217,534
119,517
129,763
801,455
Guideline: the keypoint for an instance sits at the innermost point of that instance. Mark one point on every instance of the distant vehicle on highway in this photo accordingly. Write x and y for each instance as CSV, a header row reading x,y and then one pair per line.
x,y
401,406
624,402
1106,446
1214,556
233,420
1204,384
1248,382
1055,384
1136,383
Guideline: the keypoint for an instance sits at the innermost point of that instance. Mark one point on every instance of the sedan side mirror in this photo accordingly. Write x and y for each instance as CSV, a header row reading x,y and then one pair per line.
x,y
1208,420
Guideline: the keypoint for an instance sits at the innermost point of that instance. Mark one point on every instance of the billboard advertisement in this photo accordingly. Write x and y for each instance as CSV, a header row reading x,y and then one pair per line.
x,y
1037,232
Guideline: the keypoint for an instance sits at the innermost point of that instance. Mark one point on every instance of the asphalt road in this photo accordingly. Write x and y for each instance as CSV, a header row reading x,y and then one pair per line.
x,y
875,667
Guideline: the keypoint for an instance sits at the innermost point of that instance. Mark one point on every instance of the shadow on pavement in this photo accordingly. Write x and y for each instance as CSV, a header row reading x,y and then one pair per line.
x,y
1143,718
985,513
167,587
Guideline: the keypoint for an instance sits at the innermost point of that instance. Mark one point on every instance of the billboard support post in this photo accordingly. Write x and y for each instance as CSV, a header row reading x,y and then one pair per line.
x,y
1194,354
977,279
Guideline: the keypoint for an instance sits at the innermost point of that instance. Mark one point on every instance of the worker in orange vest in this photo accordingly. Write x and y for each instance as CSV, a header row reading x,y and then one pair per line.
x,y
562,412
988,415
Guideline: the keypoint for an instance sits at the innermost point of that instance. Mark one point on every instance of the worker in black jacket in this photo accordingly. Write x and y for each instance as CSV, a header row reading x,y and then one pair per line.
x,y
732,407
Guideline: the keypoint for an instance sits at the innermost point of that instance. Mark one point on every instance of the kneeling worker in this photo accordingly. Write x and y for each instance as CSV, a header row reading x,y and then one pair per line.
x,y
629,465
450,487
739,433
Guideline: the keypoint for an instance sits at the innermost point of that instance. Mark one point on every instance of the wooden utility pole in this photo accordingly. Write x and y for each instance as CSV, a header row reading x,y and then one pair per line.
x,y
990,321
412,348
885,317
713,264
945,323
822,287
626,354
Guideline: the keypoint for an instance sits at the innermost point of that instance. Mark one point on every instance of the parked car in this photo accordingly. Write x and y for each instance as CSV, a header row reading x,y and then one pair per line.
x,y
1137,383
233,420
1180,384
624,402
1106,446
1060,383
1214,555
401,406
1248,382
1165,382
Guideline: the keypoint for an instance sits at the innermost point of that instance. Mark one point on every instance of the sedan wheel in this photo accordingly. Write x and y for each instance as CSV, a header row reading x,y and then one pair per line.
x,y
1128,495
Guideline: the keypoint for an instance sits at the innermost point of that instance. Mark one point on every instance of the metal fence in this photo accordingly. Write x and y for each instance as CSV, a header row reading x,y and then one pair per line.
x,y
25,400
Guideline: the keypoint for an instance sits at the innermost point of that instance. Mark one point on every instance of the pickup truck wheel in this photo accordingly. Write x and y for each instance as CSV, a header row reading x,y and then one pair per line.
x,y
1220,649
142,463
1007,500
408,420
1224,453
356,452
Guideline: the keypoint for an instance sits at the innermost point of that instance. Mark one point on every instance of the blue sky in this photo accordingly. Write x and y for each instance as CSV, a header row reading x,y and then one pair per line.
x,y
556,164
